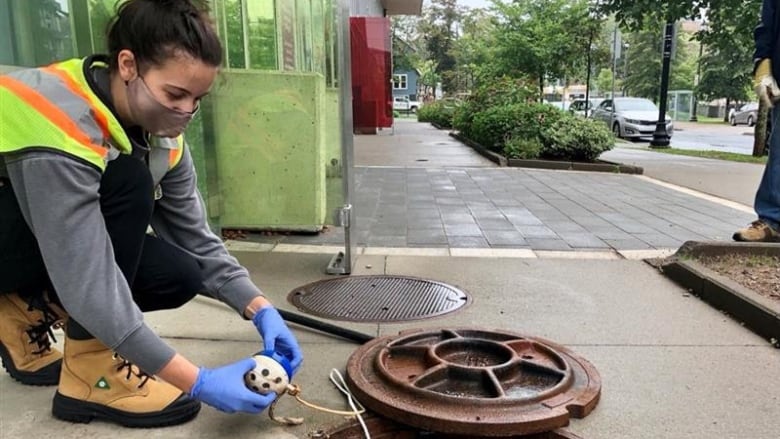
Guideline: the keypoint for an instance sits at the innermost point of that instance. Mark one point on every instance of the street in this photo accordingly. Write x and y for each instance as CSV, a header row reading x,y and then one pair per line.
x,y
708,136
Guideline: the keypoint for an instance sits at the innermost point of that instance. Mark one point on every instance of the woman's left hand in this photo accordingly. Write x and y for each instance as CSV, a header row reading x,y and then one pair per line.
x,y
277,336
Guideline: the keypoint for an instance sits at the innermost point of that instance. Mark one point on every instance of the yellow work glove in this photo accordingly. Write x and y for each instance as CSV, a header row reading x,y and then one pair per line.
x,y
766,86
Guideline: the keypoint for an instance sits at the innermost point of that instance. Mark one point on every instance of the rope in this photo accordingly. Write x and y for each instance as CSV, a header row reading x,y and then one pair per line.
x,y
295,391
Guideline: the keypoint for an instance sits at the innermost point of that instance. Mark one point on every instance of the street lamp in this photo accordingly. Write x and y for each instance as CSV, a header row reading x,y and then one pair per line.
x,y
661,136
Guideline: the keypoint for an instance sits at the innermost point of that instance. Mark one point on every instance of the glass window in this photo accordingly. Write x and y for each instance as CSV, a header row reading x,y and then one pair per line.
x,y
230,21
261,18
35,32
400,82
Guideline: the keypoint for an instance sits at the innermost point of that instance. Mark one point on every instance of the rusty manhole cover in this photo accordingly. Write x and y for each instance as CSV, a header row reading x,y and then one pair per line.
x,y
378,299
473,382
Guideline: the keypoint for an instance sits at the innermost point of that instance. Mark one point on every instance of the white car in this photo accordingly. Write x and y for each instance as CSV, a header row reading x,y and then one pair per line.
x,y
403,103
583,108
631,117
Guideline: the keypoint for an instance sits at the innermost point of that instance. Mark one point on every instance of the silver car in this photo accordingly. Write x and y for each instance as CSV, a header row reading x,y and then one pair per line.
x,y
631,117
747,114
581,107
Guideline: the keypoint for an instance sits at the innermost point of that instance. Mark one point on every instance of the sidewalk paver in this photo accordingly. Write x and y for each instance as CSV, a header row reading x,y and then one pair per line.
x,y
540,210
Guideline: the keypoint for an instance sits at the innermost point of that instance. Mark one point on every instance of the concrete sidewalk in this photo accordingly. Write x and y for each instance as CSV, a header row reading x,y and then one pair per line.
x,y
732,181
455,199
672,367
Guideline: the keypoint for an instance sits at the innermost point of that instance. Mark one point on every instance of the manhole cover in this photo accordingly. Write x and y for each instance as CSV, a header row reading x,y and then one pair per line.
x,y
378,299
473,382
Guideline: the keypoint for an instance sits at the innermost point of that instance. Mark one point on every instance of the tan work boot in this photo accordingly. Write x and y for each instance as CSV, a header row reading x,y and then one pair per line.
x,y
25,347
758,231
95,383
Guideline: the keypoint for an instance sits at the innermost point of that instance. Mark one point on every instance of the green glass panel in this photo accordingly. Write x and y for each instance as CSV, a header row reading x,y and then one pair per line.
x,y
262,34
230,18
35,32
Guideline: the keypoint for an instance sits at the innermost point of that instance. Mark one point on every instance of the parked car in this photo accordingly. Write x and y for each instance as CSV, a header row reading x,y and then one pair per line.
x,y
631,117
403,103
581,107
561,105
747,114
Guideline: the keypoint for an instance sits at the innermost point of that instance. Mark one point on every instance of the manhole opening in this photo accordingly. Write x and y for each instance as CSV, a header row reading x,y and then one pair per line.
x,y
378,299
382,428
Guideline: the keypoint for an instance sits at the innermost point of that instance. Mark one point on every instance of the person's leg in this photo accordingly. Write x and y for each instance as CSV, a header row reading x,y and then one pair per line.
x,y
167,276
768,196
94,382
126,201
767,202
26,315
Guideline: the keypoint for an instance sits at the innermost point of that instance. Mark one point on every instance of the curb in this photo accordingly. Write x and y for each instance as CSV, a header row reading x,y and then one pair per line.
x,y
599,166
761,315
490,155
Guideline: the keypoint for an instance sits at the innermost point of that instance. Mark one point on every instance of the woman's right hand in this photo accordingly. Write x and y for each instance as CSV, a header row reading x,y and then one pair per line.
x,y
224,389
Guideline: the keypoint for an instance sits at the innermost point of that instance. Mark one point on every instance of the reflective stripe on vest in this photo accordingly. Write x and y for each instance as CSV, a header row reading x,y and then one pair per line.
x,y
164,155
54,107
29,118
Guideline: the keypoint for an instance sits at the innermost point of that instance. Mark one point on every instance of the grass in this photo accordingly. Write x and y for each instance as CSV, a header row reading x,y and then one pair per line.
x,y
715,120
718,155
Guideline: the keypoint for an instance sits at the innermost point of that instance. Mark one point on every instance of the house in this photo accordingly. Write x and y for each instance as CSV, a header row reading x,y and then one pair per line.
x,y
405,83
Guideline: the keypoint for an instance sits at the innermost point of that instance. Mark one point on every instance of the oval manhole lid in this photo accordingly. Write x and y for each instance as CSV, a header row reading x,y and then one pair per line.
x,y
378,299
473,381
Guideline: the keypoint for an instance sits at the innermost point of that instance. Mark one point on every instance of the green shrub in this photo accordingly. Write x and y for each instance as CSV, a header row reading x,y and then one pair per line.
x,y
576,139
396,114
493,127
497,93
439,113
523,148
463,118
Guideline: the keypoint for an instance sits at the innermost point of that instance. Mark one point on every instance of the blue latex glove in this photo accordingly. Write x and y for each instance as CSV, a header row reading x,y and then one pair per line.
x,y
277,336
224,389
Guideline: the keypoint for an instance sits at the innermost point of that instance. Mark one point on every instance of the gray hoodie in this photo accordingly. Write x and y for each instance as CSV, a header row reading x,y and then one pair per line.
x,y
58,196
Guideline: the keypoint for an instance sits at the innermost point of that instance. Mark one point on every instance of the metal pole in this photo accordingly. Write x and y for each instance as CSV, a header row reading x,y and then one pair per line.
x,y
614,63
587,80
660,136
694,111
342,262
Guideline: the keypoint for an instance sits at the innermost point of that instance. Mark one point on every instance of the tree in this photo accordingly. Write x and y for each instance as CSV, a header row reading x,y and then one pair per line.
x,y
643,76
541,38
473,50
728,58
439,29
406,47
604,82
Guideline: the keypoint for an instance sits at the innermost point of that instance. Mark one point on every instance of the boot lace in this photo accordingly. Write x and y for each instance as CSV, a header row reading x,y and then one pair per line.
x,y
132,370
40,334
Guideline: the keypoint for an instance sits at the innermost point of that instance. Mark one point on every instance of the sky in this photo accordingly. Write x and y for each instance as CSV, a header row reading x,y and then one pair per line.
x,y
471,3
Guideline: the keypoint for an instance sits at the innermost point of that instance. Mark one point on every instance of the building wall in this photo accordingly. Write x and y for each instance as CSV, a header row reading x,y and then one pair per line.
x,y
366,8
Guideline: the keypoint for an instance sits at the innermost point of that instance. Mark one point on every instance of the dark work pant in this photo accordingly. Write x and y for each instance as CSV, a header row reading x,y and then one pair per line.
x,y
160,275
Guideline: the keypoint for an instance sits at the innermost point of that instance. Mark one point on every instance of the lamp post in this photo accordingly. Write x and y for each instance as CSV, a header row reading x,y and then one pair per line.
x,y
660,136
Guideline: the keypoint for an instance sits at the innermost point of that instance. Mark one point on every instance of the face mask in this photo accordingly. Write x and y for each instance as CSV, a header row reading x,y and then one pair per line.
x,y
153,116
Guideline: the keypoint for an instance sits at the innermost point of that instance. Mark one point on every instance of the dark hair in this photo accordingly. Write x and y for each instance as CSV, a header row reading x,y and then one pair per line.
x,y
154,30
